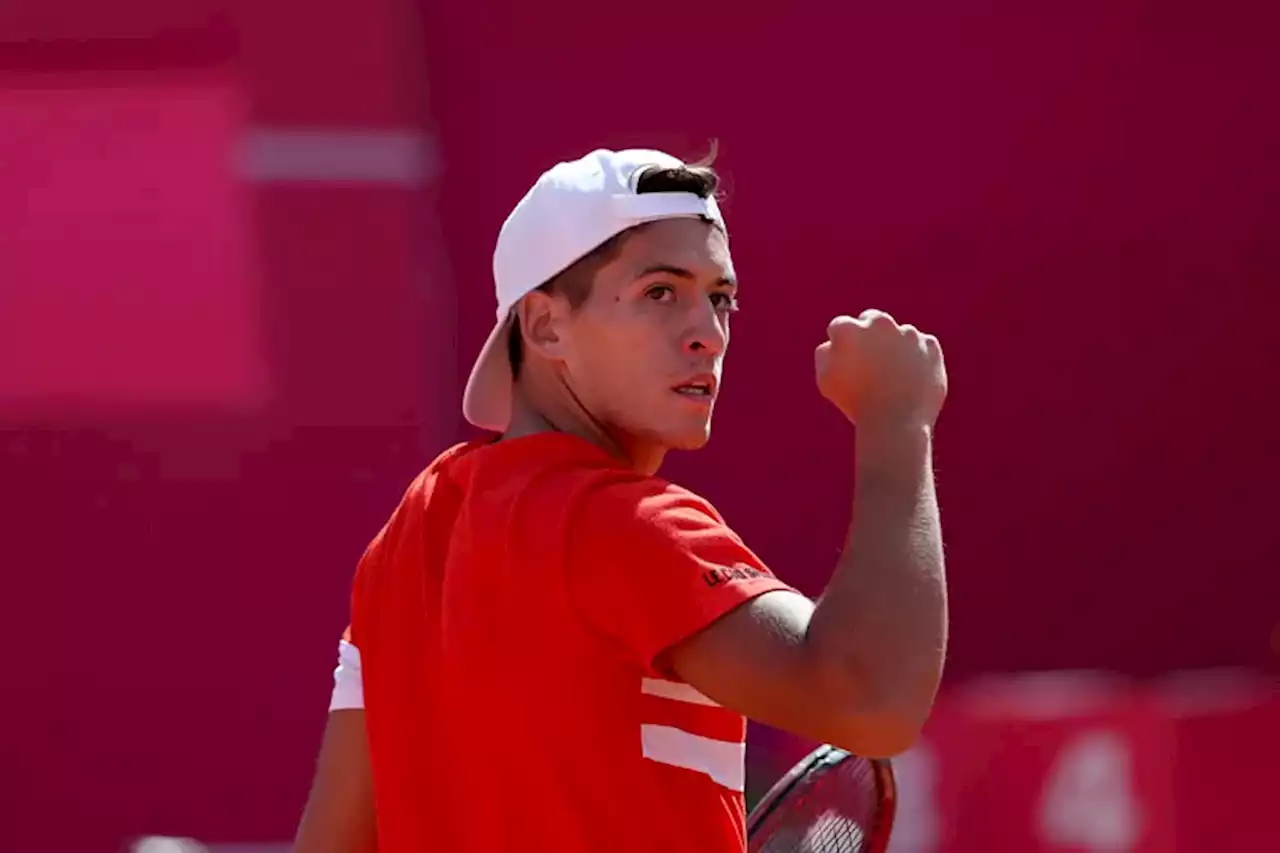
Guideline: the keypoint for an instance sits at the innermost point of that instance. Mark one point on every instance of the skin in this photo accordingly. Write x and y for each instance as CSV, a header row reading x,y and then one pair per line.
x,y
339,816
857,668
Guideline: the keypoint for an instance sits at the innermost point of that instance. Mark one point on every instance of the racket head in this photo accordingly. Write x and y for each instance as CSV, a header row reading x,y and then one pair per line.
x,y
831,801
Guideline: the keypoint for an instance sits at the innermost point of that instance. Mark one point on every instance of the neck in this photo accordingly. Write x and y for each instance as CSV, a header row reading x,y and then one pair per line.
x,y
534,411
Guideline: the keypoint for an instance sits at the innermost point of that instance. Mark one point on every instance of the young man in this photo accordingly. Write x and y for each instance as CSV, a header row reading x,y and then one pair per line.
x,y
556,648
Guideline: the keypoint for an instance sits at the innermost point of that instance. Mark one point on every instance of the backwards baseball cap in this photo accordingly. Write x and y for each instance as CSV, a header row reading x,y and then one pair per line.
x,y
571,209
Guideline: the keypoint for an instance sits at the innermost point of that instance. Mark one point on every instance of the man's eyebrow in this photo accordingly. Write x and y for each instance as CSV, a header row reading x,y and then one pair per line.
x,y
681,272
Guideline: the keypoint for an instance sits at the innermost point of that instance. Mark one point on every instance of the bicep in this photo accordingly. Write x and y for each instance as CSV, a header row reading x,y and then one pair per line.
x,y
755,660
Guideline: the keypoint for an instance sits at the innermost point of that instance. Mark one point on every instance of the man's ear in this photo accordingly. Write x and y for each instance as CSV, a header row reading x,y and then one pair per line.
x,y
542,318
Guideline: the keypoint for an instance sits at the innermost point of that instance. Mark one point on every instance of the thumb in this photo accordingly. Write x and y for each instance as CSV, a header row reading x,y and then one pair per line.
x,y
822,356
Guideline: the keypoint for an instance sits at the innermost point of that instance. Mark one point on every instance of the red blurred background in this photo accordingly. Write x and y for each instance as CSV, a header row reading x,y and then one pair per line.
x,y
244,260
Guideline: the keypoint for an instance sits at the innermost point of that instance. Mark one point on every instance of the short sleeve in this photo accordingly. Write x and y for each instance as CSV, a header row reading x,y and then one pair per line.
x,y
650,564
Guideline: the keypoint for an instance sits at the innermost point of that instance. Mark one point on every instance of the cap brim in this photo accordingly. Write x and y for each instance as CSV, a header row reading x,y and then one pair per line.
x,y
486,402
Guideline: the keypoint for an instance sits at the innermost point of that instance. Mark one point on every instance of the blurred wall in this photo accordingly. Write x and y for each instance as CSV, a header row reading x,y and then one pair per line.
x,y
223,400
1081,201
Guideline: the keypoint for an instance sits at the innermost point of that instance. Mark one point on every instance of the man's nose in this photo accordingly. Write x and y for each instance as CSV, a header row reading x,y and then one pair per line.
x,y
707,333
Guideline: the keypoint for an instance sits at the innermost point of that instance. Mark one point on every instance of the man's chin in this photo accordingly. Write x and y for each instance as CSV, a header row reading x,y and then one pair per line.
x,y
690,439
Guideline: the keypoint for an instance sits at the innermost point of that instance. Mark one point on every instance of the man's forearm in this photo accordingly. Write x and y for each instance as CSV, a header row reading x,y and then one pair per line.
x,y
882,619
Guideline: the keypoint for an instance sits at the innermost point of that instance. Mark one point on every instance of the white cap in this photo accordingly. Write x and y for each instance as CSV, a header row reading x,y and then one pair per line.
x,y
572,209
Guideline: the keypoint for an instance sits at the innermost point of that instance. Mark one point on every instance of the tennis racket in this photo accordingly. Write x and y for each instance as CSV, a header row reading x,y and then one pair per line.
x,y
830,802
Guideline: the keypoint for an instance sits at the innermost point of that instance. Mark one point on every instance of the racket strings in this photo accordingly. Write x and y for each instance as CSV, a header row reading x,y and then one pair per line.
x,y
832,809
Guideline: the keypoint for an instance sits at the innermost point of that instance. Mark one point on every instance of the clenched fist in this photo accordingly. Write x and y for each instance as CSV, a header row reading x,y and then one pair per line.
x,y
879,372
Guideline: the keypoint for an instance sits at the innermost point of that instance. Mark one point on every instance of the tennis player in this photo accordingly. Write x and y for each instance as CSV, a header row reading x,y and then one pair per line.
x,y
553,649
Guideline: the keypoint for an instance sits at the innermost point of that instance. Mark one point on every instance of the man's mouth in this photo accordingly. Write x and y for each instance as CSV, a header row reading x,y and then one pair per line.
x,y
698,389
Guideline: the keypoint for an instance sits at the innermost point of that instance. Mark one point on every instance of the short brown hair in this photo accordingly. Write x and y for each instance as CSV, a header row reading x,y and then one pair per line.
x,y
575,281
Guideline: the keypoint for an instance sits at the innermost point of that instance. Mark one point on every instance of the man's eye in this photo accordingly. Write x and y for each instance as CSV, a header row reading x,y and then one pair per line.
x,y
724,301
660,292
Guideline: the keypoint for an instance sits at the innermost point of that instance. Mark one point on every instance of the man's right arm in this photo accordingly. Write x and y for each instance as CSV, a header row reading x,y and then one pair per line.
x,y
859,669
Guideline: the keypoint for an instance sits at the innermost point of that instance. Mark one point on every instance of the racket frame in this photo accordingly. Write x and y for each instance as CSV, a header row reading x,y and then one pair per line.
x,y
829,756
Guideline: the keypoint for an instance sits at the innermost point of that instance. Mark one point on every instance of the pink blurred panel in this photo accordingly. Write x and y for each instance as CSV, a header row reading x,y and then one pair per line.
x,y
123,257
77,20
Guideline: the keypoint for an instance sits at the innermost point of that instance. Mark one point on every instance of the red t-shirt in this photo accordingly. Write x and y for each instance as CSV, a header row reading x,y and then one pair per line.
x,y
509,618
